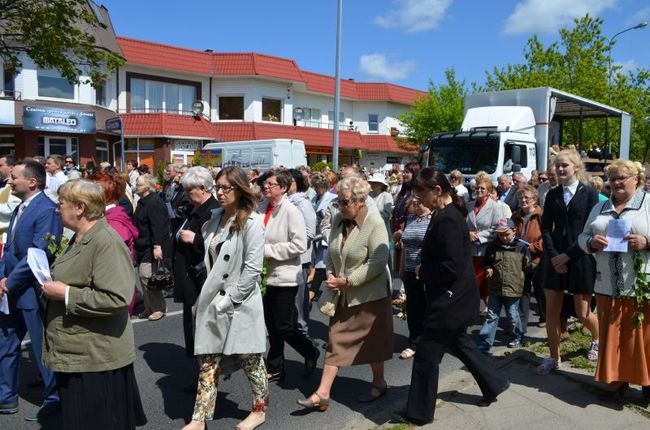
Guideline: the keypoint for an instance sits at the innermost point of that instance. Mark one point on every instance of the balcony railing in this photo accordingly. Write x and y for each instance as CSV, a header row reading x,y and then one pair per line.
x,y
328,125
159,110
10,95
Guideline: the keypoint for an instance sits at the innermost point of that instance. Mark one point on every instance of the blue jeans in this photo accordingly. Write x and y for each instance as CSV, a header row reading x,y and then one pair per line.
x,y
489,329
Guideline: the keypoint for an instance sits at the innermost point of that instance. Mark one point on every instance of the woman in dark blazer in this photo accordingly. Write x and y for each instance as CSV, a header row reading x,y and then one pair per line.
x,y
153,243
189,250
571,270
452,301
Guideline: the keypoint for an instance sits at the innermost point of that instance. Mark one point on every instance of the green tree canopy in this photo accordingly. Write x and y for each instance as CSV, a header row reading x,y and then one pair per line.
x,y
580,64
55,34
440,110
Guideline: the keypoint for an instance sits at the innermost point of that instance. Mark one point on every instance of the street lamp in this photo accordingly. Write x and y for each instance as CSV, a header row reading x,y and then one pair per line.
x,y
639,26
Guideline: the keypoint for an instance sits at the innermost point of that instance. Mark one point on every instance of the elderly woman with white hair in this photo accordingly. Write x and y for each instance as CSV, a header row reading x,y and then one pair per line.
x,y
189,249
153,243
361,328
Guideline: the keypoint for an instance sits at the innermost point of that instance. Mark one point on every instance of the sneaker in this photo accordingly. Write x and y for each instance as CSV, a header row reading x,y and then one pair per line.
x,y
547,366
515,344
592,355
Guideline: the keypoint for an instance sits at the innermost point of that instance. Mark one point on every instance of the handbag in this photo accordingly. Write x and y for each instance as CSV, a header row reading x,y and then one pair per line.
x,y
328,300
161,277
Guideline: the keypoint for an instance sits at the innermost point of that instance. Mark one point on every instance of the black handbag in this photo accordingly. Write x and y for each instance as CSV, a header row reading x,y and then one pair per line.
x,y
161,277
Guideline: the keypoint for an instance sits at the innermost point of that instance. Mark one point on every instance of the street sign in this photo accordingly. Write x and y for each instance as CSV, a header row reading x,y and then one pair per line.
x,y
113,124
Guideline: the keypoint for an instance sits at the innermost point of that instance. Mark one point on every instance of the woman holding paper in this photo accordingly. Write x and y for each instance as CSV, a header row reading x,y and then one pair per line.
x,y
624,355
88,339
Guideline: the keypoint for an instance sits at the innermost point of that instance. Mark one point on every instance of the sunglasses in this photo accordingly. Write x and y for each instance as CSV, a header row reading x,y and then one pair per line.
x,y
346,202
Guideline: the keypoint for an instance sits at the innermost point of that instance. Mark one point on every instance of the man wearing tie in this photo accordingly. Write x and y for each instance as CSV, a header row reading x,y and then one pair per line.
x,y
34,219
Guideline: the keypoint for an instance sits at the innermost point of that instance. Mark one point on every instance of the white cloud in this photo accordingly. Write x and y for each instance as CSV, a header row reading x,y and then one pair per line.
x,y
378,66
414,15
640,15
624,67
546,16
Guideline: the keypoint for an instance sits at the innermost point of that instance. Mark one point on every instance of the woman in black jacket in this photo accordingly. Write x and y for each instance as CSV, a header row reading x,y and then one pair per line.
x,y
189,250
153,243
452,301
566,209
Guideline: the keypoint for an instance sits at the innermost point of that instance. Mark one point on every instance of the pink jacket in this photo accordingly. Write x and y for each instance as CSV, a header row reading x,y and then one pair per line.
x,y
120,221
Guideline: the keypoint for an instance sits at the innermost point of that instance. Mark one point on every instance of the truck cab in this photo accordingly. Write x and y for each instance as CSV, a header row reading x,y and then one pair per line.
x,y
495,139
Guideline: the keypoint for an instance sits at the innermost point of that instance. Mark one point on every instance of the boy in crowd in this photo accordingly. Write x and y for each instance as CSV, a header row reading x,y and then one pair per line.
x,y
506,260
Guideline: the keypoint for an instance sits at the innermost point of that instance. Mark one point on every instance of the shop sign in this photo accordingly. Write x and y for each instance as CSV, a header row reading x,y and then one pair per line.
x,y
186,145
393,160
45,118
114,124
320,150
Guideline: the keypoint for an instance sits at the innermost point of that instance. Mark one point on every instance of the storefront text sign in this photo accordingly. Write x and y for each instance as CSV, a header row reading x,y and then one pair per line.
x,y
45,118
186,145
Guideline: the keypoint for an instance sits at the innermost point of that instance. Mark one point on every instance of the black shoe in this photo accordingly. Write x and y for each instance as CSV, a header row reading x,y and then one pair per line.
x,y
646,392
310,365
486,401
275,374
46,411
8,408
400,417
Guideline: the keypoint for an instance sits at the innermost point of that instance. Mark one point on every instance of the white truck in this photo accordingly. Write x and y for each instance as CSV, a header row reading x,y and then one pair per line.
x,y
508,131
261,154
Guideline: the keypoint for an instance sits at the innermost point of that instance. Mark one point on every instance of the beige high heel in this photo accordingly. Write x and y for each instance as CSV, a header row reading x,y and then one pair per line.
x,y
321,405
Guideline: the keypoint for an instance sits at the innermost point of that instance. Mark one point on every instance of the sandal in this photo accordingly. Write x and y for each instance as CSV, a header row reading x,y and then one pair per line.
x,y
321,404
155,316
373,394
407,354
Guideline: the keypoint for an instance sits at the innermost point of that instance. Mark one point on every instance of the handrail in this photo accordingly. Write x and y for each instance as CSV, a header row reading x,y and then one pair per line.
x,y
10,95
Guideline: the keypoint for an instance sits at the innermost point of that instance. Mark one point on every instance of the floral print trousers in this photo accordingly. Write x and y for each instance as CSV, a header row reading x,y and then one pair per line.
x,y
206,393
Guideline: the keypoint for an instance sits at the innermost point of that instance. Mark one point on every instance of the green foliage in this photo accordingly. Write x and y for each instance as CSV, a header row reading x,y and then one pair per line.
x,y
160,173
321,165
198,159
264,277
440,110
641,288
56,246
580,64
55,34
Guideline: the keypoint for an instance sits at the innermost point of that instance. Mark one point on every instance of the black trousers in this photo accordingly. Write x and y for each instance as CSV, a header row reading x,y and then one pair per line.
x,y
281,318
433,345
416,307
188,329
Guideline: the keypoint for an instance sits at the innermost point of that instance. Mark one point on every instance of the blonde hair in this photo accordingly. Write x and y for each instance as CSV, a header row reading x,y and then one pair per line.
x,y
575,159
596,182
485,180
148,181
356,186
88,193
633,168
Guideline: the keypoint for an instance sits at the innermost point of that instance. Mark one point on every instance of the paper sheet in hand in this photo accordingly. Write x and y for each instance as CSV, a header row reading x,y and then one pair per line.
x,y
4,305
37,261
617,229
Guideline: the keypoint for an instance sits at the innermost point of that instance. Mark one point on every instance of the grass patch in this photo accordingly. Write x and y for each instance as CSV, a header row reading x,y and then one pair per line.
x,y
399,427
574,349
581,362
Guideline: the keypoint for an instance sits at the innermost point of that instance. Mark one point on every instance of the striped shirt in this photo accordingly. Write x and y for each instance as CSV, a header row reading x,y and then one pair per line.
x,y
412,238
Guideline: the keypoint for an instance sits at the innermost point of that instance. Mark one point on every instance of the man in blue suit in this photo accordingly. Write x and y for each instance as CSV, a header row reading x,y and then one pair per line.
x,y
31,222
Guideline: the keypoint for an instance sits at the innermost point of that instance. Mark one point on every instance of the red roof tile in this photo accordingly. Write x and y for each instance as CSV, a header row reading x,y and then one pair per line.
x,y
160,124
253,64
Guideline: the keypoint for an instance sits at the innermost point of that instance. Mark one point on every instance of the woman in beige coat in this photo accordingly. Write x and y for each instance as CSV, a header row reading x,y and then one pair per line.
x,y
361,330
229,313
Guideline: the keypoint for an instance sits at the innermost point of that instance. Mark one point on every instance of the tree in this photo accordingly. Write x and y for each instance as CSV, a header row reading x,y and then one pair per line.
x,y
579,63
55,34
440,110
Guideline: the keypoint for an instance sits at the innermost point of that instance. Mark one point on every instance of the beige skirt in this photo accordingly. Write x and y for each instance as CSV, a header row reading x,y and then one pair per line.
x,y
624,348
361,334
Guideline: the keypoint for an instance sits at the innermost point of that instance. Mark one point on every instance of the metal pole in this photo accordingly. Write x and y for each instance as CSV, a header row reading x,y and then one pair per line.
x,y
337,88
122,161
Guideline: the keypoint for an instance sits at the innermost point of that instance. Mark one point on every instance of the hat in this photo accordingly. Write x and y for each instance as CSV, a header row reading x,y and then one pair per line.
x,y
505,224
379,178
392,180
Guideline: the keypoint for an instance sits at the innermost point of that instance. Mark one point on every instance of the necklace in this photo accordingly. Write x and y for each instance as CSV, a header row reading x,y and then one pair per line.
x,y
420,218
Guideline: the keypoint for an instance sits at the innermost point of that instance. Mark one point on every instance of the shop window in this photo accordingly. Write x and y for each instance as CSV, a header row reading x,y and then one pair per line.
x,y
373,122
101,151
52,84
7,145
63,146
231,108
271,110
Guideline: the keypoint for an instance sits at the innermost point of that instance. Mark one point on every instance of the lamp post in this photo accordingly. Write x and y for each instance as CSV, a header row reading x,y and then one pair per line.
x,y
610,43
337,88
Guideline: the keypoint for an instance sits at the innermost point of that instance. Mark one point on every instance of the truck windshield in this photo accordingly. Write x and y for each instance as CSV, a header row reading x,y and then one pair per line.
x,y
467,152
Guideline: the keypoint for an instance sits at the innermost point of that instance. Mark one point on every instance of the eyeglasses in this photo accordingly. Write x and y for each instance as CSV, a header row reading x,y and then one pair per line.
x,y
526,198
225,188
346,202
620,178
69,161
542,179
271,184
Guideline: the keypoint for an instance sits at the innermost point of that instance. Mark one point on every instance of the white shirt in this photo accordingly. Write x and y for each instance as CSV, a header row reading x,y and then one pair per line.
x,y
568,191
53,182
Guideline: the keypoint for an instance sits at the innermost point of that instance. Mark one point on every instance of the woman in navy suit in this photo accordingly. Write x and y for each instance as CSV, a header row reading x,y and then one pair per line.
x,y
452,301
571,270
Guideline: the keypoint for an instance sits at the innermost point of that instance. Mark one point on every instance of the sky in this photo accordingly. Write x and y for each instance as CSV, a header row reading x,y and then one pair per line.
x,y
405,42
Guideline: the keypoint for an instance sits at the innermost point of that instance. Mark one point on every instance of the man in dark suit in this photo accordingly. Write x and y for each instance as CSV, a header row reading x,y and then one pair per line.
x,y
34,219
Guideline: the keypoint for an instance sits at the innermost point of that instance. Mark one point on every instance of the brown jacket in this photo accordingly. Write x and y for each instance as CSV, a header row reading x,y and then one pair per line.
x,y
533,233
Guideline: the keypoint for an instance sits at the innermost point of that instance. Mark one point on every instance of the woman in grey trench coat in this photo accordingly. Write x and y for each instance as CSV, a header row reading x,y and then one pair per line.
x,y
229,313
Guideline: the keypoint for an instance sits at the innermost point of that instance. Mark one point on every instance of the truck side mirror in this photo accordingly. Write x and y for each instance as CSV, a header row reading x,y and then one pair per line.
x,y
516,154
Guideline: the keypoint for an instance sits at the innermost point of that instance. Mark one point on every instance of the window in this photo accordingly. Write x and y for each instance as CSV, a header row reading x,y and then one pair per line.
x,y
51,84
231,107
157,96
311,117
373,122
8,81
271,110
7,145
100,94
63,146
330,118
101,148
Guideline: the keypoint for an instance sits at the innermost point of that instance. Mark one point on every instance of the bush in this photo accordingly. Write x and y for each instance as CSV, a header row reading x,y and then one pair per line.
x,y
318,167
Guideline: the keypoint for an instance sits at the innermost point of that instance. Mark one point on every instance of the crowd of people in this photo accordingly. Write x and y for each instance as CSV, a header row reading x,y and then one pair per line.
x,y
250,253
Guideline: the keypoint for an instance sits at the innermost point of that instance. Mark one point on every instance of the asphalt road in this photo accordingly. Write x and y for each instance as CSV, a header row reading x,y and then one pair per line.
x,y
163,371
